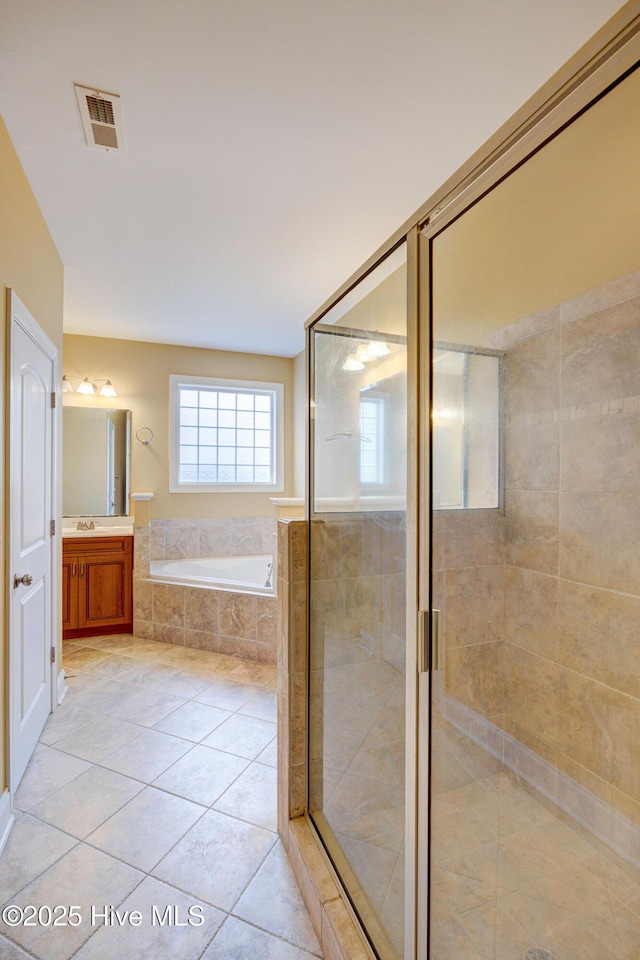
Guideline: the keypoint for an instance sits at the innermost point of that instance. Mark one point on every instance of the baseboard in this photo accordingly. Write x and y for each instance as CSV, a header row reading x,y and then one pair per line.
x,y
61,687
599,818
6,818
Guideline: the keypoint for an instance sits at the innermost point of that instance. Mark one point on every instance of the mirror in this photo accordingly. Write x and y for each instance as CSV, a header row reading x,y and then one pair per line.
x,y
466,428
95,462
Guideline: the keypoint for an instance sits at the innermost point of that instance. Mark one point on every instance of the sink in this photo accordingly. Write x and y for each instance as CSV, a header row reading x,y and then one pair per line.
x,y
122,530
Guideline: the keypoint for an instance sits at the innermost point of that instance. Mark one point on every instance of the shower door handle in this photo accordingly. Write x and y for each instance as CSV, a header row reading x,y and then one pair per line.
x,y
424,635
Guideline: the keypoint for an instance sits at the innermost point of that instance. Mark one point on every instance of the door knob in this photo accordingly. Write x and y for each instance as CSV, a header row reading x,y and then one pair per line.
x,y
26,578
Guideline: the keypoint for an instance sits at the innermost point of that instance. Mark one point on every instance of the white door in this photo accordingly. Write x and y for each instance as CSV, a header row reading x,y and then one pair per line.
x,y
31,554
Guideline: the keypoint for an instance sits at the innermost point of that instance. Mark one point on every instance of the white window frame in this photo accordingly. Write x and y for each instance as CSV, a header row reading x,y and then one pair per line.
x,y
276,389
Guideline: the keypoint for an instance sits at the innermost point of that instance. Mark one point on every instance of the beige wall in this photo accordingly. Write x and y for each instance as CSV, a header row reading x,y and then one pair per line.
x,y
30,265
140,374
570,229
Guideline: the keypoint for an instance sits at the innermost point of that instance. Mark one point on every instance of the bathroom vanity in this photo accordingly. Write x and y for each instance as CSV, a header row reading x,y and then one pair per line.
x,y
96,585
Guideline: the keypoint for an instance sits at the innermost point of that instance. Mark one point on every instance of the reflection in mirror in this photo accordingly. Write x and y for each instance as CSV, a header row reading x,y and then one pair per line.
x,y
466,428
96,453
360,421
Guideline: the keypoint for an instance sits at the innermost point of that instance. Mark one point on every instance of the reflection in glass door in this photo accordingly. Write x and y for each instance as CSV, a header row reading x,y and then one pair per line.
x,y
535,766
358,596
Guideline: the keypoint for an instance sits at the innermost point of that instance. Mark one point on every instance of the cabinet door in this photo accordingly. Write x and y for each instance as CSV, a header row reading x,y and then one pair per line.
x,y
105,590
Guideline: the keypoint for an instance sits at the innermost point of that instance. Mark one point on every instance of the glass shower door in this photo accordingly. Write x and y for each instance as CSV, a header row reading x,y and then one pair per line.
x,y
535,691
358,596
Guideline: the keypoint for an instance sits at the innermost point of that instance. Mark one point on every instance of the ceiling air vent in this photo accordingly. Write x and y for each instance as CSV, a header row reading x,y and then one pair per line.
x,y
101,118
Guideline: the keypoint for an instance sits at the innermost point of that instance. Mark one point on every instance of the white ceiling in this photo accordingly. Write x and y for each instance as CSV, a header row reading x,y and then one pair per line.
x,y
271,145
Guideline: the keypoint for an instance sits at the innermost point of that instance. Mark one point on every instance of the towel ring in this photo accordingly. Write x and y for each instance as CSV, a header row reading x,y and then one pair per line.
x,y
147,439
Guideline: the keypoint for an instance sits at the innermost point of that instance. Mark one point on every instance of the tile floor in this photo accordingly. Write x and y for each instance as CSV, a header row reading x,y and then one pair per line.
x,y
511,878
152,787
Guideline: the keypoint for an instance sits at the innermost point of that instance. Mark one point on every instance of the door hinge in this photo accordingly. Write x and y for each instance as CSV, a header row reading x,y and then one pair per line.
x,y
53,398
53,654
52,528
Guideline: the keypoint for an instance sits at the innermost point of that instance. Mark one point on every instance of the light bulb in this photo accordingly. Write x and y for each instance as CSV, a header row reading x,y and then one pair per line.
x,y
67,386
108,390
364,354
86,387
378,349
352,363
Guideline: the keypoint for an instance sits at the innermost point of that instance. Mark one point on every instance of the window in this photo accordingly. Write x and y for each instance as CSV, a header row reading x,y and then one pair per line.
x,y
372,466
226,435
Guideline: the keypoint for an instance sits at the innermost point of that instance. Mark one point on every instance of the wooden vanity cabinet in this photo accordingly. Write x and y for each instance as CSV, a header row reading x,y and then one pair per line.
x,y
97,586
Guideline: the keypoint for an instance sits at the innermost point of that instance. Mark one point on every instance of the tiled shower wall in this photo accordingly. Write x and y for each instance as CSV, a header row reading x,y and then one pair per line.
x,y
543,604
220,621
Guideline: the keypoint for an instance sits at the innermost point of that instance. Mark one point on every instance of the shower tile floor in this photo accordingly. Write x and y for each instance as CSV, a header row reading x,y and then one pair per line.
x,y
153,786
511,880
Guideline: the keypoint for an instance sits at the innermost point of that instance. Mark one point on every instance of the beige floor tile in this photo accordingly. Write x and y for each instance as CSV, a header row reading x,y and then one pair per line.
x,y
183,683
100,737
252,797
9,951
450,941
496,934
263,705
262,673
202,775
115,642
31,848
227,694
156,941
48,770
146,828
244,736
269,755
78,659
123,689
238,940
67,719
284,915
149,707
192,721
115,665
146,757
83,877
86,802
216,858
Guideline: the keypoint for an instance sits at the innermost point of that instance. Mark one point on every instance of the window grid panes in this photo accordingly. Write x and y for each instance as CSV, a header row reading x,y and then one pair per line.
x,y
226,436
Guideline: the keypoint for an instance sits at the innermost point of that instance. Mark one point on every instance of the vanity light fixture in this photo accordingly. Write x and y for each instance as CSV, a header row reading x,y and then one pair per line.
x,y
353,363
378,349
367,351
85,387
88,387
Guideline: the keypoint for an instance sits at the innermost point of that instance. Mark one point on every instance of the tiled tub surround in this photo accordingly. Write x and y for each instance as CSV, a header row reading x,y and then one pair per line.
x,y
206,537
542,605
155,784
240,624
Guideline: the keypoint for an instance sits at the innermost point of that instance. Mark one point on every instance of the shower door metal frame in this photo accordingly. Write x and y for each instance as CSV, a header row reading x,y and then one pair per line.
x,y
413,525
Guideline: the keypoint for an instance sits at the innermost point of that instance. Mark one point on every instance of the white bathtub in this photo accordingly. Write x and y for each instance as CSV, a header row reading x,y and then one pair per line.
x,y
238,574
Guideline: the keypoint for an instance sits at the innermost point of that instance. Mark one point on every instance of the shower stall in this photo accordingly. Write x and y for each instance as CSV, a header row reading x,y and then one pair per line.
x,y
473,754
